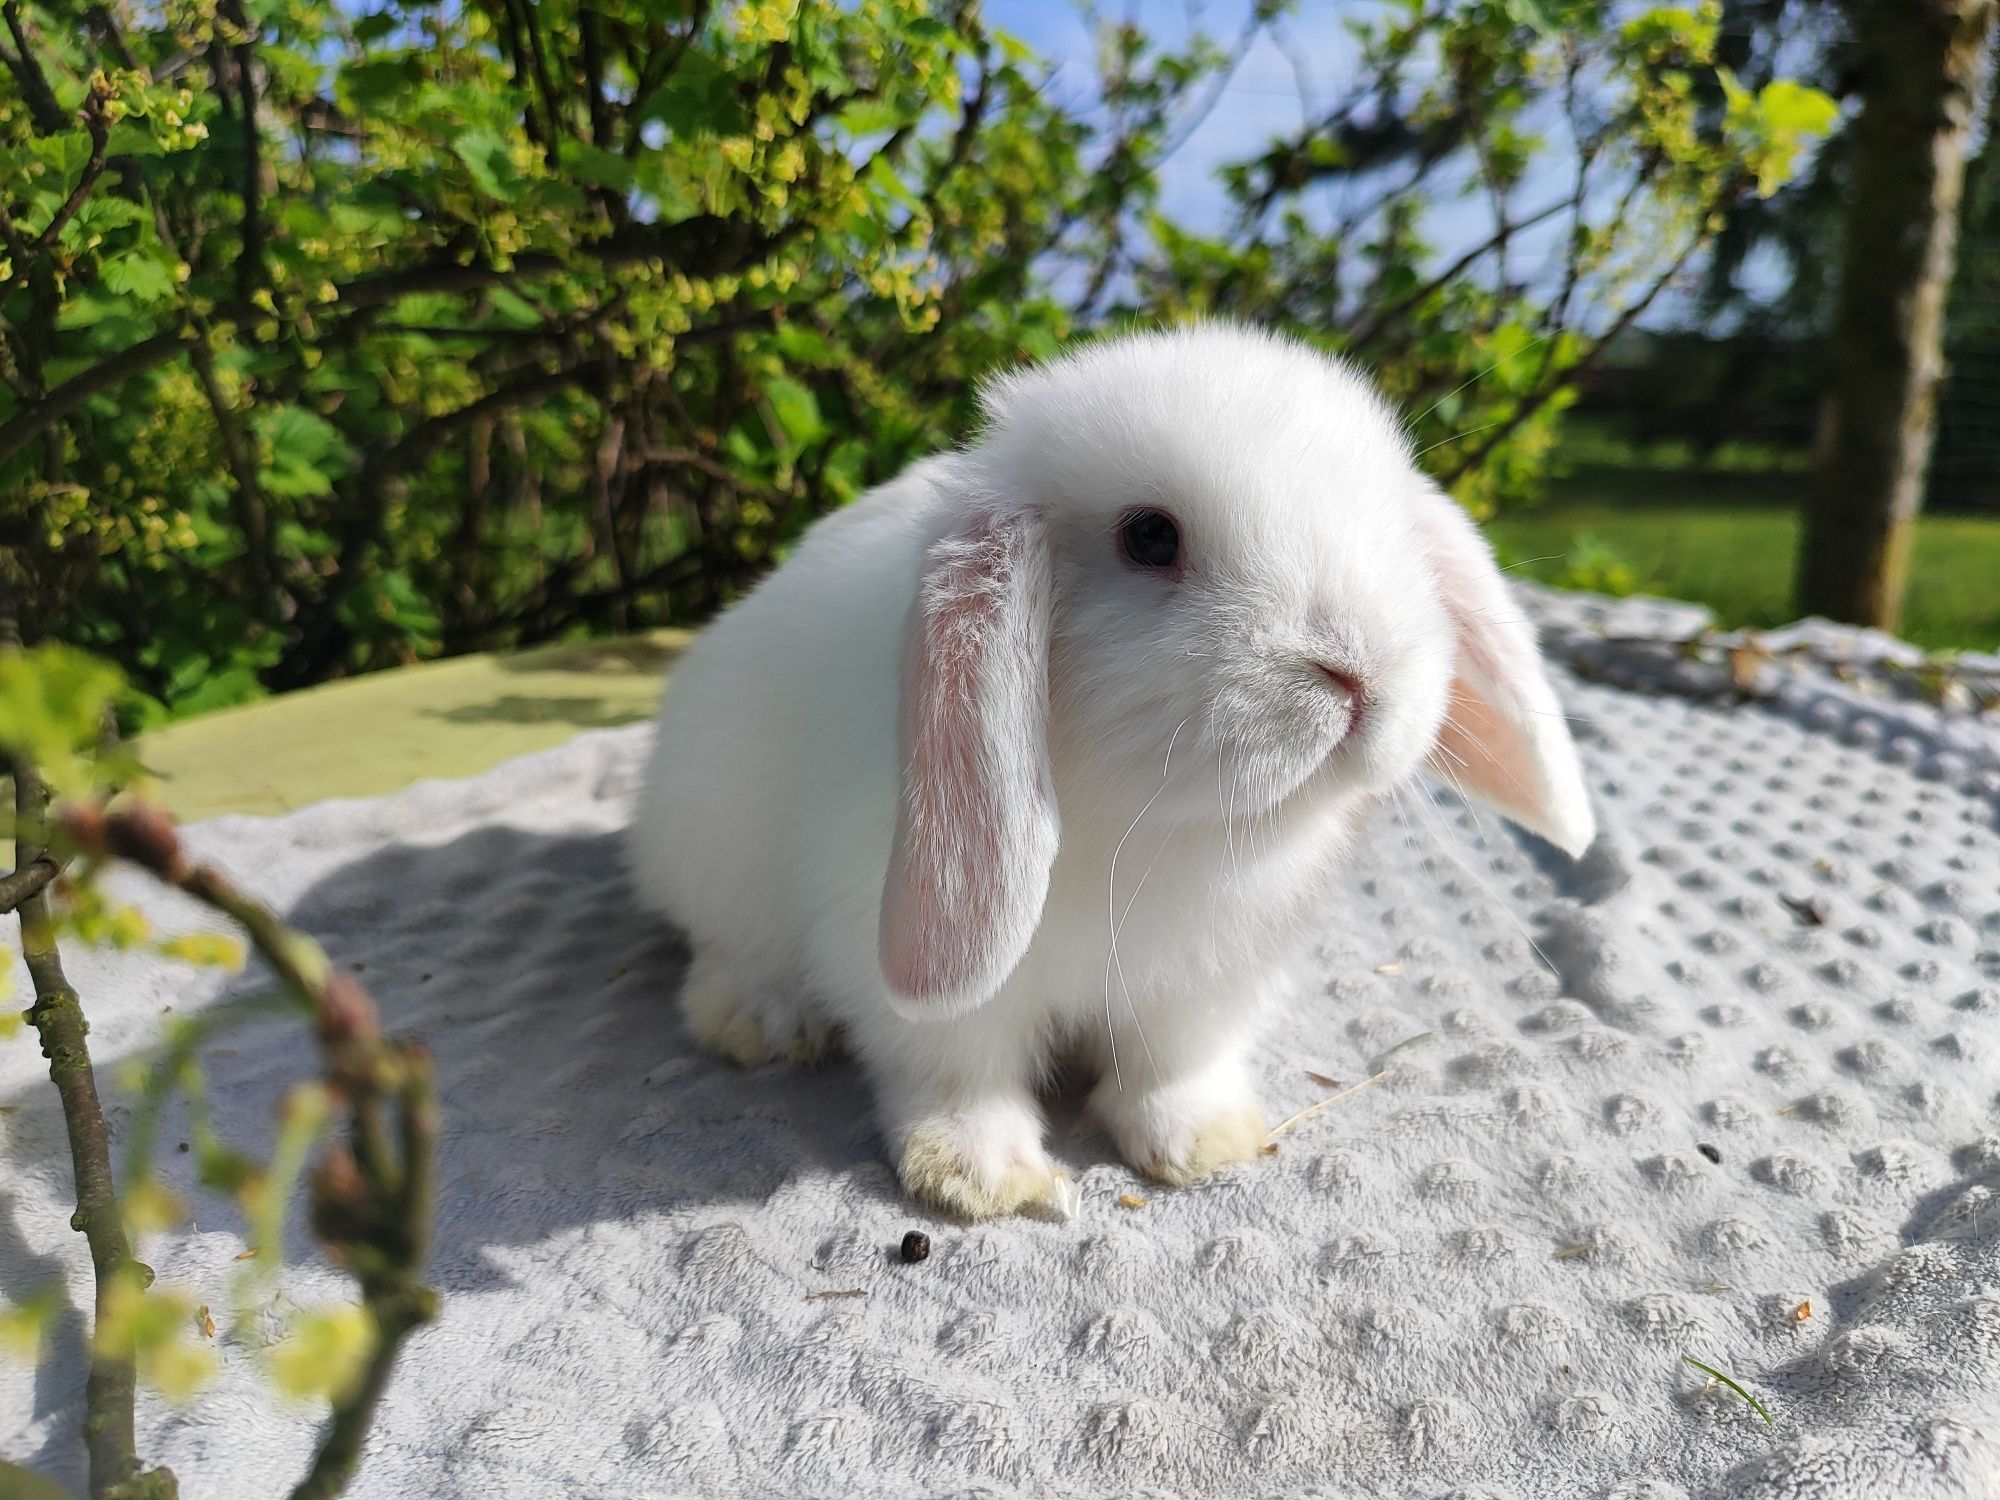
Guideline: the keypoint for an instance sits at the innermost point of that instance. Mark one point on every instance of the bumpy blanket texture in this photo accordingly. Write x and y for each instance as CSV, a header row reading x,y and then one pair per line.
x,y
1725,1089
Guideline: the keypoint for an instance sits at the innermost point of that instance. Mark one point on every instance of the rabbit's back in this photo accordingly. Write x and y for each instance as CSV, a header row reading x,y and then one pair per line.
x,y
764,821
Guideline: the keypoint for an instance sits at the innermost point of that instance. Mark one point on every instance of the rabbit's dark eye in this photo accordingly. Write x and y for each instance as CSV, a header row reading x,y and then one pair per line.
x,y
1150,539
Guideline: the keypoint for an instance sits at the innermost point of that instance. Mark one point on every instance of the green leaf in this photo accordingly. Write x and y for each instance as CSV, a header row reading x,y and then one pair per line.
x,y
602,168
1796,109
700,99
806,346
300,433
484,152
128,138
872,116
226,688
103,213
1741,104
551,195
1533,14
52,705
746,450
796,408
1671,31
662,182
884,178
139,274
300,447
380,82
1775,125
373,28
64,153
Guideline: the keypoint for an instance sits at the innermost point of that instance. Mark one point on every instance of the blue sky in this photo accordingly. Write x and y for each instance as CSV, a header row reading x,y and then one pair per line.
x,y
1261,99
1273,91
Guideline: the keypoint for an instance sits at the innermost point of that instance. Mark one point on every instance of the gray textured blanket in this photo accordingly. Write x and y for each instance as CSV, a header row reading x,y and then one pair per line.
x,y
1726,1090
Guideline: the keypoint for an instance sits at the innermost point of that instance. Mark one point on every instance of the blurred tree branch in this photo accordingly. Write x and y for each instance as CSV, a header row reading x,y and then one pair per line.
x,y
374,1195
17,886
699,247
24,63
58,1020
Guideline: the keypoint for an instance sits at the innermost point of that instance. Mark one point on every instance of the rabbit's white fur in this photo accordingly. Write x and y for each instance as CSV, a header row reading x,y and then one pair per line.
x,y
963,784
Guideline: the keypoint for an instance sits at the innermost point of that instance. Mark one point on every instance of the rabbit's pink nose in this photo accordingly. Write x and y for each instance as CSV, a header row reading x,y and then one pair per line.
x,y
1345,683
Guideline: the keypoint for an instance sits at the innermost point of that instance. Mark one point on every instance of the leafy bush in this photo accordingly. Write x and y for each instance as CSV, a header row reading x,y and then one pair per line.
x,y
336,339
1595,565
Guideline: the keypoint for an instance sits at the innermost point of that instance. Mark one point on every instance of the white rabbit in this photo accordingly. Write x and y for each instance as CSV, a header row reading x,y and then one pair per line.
x,y
1048,746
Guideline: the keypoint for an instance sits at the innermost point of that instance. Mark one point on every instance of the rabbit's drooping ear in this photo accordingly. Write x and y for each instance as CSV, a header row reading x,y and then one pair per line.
x,y
1505,739
976,829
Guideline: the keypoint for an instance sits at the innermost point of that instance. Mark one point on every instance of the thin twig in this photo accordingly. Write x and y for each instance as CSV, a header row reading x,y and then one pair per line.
x,y
57,1016
1325,1104
656,67
27,70
243,54
372,1199
1383,316
391,1286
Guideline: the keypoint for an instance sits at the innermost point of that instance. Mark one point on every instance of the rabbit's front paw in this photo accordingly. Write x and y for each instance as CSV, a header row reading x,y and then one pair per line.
x,y
1182,1132
978,1165
725,1024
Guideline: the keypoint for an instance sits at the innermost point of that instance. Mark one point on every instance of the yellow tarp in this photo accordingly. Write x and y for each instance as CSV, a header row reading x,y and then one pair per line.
x,y
377,733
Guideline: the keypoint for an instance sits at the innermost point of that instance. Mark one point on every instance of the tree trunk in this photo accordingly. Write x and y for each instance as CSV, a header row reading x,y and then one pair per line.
x,y
1922,65
1965,464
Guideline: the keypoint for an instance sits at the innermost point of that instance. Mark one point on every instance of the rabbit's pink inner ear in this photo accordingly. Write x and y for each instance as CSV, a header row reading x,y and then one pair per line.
x,y
976,827
1505,739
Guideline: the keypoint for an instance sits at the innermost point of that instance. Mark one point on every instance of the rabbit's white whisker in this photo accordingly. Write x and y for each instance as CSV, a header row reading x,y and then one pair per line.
x,y
1169,764
1458,788
1505,770
1113,924
1441,442
1111,1039
1228,811
1235,853
1444,749
1474,380
1132,899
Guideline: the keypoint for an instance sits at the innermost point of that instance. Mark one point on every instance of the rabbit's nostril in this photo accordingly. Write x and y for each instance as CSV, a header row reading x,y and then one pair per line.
x,y
1345,683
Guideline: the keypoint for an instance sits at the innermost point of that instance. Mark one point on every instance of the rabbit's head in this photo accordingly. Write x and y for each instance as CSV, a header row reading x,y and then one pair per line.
x,y
1201,570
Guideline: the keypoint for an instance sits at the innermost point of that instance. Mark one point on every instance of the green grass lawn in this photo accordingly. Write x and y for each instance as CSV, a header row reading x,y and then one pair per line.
x,y
1729,542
